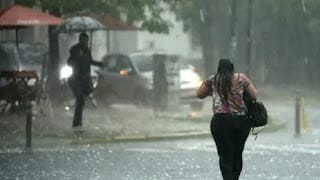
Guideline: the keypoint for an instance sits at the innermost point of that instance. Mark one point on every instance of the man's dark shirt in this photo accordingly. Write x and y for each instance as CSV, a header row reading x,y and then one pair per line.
x,y
80,60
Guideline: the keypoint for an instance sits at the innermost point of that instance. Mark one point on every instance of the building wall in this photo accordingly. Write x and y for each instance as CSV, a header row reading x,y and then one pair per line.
x,y
177,41
123,41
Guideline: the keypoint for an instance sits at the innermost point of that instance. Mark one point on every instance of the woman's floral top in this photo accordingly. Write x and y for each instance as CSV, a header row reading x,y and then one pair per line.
x,y
235,103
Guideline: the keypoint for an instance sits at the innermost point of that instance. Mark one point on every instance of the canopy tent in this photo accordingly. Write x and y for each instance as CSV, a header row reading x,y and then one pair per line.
x,y
16,17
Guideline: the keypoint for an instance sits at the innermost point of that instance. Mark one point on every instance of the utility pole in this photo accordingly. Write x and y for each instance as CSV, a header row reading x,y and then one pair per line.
x,y
305,49
249,38
233,41
206,35
53,60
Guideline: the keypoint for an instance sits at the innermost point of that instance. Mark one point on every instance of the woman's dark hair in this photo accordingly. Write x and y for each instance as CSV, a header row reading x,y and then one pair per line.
x,y
223,79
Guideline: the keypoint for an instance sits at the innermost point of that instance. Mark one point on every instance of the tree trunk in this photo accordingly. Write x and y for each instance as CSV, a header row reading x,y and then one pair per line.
x,y
233,39
53,70
207,43
249,39
208,52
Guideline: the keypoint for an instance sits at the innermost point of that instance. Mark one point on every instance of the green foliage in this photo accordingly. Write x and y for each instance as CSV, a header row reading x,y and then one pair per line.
x,y
189,14
284,34
154,25
146,11
26,2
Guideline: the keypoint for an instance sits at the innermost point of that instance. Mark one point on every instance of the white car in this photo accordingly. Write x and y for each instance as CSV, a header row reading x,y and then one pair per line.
x,y
128,78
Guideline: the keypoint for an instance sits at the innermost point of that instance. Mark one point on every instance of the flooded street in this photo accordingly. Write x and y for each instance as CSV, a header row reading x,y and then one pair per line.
x,y
172,159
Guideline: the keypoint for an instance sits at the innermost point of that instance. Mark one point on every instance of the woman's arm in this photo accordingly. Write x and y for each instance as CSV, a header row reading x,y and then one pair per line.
x,y
249,86
203,91
205,88
252,90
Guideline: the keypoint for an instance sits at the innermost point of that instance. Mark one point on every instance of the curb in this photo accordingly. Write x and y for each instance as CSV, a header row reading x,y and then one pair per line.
x,y
140,138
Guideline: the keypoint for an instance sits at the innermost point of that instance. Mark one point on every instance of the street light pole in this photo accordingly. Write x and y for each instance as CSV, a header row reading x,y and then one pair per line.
x,y
233,41
249,38
206,34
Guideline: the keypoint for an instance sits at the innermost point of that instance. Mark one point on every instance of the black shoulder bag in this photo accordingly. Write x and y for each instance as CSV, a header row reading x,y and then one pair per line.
x,y
256,112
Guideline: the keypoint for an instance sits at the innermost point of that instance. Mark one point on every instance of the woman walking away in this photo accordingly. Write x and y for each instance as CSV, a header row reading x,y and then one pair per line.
x,y
229,126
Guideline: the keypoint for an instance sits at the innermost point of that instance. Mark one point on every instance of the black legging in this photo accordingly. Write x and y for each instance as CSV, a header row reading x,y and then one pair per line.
x,y
80,101
230,133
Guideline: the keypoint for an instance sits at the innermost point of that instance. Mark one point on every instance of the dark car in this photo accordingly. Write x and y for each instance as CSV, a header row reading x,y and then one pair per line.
x,y
128,78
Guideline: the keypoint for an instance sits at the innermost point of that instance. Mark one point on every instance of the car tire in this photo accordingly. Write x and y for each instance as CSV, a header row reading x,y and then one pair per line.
x,y
197,106
103,97
140,99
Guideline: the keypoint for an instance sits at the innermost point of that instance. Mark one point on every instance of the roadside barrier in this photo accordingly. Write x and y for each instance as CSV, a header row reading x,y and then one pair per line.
x,y
300,115
304,116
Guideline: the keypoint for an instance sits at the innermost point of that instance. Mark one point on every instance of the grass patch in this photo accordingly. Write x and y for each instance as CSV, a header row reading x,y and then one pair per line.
x,y
288,93
273,125
186,117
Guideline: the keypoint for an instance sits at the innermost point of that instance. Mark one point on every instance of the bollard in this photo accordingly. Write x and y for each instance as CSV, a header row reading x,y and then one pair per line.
x,y
160,83
304,116
29,126
297,118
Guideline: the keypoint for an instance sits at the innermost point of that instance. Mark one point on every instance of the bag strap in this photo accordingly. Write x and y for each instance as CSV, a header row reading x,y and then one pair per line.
x,y
257,132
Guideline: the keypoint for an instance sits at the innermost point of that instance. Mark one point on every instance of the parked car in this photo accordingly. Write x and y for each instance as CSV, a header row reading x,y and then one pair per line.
x,y
128,78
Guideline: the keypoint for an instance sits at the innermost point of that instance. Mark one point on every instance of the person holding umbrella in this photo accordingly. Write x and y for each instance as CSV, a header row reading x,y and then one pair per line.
x,y
80,59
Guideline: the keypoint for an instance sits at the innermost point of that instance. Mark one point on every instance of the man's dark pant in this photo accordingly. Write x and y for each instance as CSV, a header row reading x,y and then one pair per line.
x,y
80,101
230,133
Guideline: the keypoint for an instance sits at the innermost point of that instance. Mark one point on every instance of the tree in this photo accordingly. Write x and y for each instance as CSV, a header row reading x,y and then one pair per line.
x,y
285,36
208,22
282,32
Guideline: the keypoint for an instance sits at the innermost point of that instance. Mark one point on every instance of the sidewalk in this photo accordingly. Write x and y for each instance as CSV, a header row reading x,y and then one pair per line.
x,y
119,123
128,123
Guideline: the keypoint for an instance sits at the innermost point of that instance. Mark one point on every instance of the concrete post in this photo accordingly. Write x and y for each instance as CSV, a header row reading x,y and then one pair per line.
x,y
233,23
29,125
249,38
160,83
